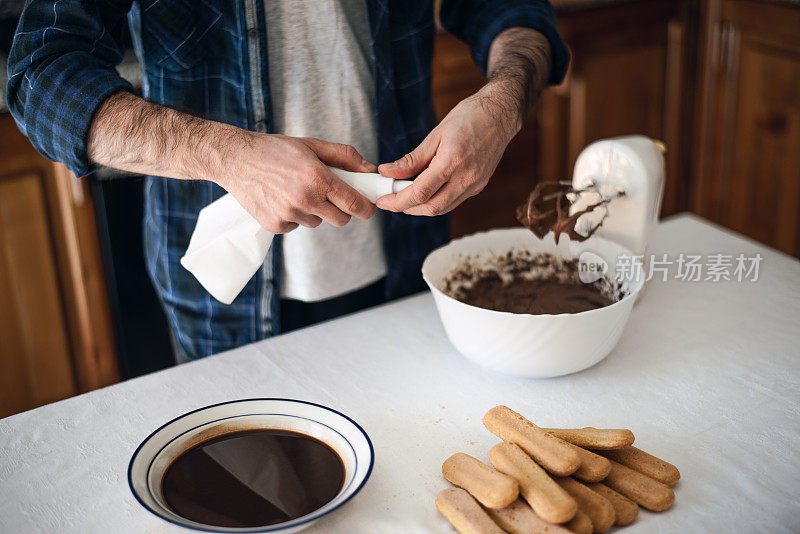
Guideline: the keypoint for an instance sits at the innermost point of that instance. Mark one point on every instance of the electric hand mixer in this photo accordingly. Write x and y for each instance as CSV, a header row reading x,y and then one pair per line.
x,y
631,165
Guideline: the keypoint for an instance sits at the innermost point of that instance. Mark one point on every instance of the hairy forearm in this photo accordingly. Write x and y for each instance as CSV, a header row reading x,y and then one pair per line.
x,y
518,70
130,134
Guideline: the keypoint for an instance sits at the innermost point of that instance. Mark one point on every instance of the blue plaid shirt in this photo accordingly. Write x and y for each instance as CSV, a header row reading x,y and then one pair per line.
x,y
210,58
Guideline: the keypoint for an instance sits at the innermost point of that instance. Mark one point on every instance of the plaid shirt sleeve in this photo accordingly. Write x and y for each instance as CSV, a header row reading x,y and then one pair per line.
x,y
478,22
60,69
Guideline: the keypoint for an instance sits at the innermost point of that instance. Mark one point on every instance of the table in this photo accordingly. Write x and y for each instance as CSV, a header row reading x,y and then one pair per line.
x,y
706,375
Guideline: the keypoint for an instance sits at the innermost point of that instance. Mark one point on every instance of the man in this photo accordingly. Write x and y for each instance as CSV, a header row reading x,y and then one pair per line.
x,y
256,97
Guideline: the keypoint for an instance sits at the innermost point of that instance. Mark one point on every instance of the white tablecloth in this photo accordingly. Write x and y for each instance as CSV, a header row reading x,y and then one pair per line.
x,y
707,375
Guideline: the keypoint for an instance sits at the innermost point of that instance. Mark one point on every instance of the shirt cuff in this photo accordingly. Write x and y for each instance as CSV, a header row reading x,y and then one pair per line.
x,y
58,117
559,53
491,21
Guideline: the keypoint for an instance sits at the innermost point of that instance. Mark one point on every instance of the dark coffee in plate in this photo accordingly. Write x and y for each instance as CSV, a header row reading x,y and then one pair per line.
x,y
253,478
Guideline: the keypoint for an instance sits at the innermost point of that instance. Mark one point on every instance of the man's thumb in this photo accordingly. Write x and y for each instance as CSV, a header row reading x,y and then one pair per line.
x,y
412,163
339,155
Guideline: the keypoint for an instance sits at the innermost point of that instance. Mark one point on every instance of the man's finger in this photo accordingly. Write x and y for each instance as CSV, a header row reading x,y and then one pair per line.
x,y
308,220
280,228
338,155
414,162
331,214
424,187
349,200
447,198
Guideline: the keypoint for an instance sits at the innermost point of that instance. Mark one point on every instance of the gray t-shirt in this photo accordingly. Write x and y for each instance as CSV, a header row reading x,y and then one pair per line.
x,y
322,86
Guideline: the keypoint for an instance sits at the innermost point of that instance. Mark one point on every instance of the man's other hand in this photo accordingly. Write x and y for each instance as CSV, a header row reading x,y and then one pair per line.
x,y
459,156
456,160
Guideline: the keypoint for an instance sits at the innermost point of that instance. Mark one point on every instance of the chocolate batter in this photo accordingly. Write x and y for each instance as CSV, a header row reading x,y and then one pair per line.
x,y
253,478
532,296
522,282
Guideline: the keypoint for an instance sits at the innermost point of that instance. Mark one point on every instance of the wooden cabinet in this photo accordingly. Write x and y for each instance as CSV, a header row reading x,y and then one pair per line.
x,y
747,169
626,77
55,330
35,364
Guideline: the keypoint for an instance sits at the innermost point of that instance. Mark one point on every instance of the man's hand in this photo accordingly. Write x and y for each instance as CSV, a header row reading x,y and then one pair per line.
x,y
456,160
281,181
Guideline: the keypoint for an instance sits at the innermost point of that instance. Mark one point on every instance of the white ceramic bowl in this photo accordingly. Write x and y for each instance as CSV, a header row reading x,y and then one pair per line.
x,y
342,434
535,346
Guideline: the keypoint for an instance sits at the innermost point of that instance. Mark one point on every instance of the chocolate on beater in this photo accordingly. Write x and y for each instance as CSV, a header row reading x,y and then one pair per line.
x,y
547,208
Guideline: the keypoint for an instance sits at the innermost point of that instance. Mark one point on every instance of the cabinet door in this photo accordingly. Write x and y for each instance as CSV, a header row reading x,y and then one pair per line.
x,y
35,362
748,167
55,328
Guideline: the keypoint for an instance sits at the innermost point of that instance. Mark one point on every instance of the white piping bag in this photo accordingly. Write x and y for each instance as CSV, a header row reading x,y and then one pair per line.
x,y
228,246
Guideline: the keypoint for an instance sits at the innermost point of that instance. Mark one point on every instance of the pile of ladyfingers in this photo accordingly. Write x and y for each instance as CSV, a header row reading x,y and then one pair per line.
x,y
553,480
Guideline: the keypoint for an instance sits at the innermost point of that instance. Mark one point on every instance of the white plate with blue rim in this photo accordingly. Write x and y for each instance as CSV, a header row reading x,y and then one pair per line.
x,y
165,445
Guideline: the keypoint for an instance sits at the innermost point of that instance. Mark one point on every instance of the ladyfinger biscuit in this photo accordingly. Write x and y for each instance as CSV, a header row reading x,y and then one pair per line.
x,y
549,451
464,513
640,488
645,463
519,518
594,438
490,487
625,509
599,510
594,467
580,524
548,499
